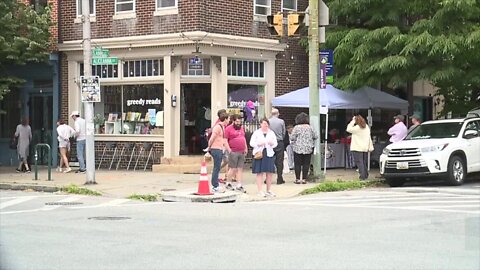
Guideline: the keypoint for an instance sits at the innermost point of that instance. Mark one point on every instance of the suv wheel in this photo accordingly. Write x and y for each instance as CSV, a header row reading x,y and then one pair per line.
x,y
395,182
456,171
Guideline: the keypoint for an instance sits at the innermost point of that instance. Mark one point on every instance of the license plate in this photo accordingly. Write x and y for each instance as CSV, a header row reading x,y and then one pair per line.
x,y
402,165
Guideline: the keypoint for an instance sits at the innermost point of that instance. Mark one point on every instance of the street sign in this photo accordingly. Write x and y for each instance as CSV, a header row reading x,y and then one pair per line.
x,y
105,61
327,56
90,88
100,53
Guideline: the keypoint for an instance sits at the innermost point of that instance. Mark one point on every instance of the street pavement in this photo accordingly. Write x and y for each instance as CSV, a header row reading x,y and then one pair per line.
x,y
407,228
121,184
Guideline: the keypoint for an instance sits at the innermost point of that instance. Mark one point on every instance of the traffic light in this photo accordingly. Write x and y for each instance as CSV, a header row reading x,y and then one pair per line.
x,y
295,21
275,24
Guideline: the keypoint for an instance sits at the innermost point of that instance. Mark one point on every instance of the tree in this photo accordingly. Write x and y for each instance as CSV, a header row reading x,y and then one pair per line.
x,y
24,38
394,42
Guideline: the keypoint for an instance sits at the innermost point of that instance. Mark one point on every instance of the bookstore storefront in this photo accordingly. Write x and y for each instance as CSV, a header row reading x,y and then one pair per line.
x,y
154,96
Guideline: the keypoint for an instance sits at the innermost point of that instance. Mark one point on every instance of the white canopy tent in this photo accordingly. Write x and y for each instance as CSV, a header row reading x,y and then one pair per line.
x,y
333,98
330,98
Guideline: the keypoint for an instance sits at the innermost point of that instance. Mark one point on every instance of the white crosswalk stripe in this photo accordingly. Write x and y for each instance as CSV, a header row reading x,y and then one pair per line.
x,y
29,204
428,201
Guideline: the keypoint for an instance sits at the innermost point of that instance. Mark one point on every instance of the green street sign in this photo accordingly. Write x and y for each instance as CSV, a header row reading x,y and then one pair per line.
x,y
100,53
105,61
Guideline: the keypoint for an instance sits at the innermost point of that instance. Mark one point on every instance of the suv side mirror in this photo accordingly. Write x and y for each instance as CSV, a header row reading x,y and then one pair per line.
x,y
471,133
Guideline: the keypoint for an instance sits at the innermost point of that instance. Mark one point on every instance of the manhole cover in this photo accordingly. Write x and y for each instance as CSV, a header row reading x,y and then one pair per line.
x,y
63,203
168,189
109,218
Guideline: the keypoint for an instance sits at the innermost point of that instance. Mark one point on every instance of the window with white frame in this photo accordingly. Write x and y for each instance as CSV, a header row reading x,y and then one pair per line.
x,y
166,4
289,5
124,6
245,68
102,71
262,7
143,68
92,7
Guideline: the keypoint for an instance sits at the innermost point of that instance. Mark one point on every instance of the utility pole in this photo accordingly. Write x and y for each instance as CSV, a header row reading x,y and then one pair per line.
x,y
314,109
88,106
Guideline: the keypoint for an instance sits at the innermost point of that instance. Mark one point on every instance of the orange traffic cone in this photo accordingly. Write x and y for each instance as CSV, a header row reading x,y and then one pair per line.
x,y
203,185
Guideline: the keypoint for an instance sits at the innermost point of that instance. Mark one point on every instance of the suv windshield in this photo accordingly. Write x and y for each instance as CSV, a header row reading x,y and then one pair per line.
x,y
435,131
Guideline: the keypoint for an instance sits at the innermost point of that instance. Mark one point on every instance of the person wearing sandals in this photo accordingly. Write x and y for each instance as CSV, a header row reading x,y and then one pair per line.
x,y
361,144
303,142
263,141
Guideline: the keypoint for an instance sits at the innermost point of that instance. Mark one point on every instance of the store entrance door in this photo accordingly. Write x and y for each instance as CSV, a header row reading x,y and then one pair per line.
x,y
195,119
41,114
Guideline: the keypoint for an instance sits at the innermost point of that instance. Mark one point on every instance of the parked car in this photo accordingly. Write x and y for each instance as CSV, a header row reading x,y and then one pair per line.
x,y
447,149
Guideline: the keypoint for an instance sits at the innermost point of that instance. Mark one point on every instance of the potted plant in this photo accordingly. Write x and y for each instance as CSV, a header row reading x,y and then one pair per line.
x,y
98,120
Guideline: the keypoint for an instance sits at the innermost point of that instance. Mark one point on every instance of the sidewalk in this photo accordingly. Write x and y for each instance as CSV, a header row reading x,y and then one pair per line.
x,y
121,184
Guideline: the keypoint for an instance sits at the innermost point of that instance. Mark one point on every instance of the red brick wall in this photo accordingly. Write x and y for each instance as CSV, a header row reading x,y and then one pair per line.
x,y
64,114
54,28
219,16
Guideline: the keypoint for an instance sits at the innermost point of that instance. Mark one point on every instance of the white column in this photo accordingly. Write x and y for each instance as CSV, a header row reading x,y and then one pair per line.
x,y
270,87
74,103
168,111
219,88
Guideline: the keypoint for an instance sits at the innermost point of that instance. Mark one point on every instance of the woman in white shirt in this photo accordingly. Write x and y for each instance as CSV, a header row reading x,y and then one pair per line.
x,y
263,141
361,144
64,132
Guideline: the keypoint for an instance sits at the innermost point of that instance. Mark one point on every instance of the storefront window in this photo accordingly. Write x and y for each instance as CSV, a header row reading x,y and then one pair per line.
x,y
131,109
241,96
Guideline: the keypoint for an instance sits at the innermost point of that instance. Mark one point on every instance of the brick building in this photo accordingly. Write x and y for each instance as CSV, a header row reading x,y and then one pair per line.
x,y
179,61
37,99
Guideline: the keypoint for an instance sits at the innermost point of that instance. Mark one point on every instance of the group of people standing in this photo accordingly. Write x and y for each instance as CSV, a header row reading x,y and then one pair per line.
x,y
361,142
23,137
269,144
65,132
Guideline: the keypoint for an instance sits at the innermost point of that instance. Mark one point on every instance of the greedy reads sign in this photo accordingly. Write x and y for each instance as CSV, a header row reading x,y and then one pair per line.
x,y
143,102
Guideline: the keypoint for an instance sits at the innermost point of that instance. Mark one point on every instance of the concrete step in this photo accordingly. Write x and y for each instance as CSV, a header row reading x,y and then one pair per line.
x,y
197,159
190,168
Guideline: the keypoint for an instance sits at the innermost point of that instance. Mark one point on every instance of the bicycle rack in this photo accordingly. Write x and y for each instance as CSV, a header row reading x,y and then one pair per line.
x,y
49,160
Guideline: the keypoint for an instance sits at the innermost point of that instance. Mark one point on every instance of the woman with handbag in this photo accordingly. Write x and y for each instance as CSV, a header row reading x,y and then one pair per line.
x,y
263,141
23,133
361,143
303,142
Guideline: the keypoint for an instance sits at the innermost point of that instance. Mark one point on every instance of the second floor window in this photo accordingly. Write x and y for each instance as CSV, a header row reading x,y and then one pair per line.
x,y
289,5
124,6
262,7
79,7
166,3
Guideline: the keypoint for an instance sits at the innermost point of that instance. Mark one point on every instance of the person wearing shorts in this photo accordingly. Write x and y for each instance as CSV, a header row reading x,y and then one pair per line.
x,y
64,132
235,136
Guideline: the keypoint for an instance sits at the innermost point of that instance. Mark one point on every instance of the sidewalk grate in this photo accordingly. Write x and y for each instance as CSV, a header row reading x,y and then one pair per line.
x,y
63,203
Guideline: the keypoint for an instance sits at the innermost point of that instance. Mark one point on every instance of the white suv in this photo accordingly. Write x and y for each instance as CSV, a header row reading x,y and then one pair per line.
x,y
443,148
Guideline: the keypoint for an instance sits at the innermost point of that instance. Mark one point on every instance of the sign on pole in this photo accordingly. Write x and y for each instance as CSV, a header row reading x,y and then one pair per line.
x,y
327,57
102,57
90,88
105,61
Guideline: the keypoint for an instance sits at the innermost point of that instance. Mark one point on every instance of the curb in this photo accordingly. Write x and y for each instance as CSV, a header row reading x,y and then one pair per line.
x,y
190,197
28,186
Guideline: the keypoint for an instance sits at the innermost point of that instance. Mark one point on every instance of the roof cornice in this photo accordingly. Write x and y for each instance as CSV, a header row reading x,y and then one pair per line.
x,y
183,38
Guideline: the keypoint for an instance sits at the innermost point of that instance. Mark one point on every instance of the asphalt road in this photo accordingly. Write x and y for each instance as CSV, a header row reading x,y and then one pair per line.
x,y
406,228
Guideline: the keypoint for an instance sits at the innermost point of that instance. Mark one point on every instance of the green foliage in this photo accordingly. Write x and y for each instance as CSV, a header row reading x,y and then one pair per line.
x,y
392,42
74,189
144,197
24,38
339,185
